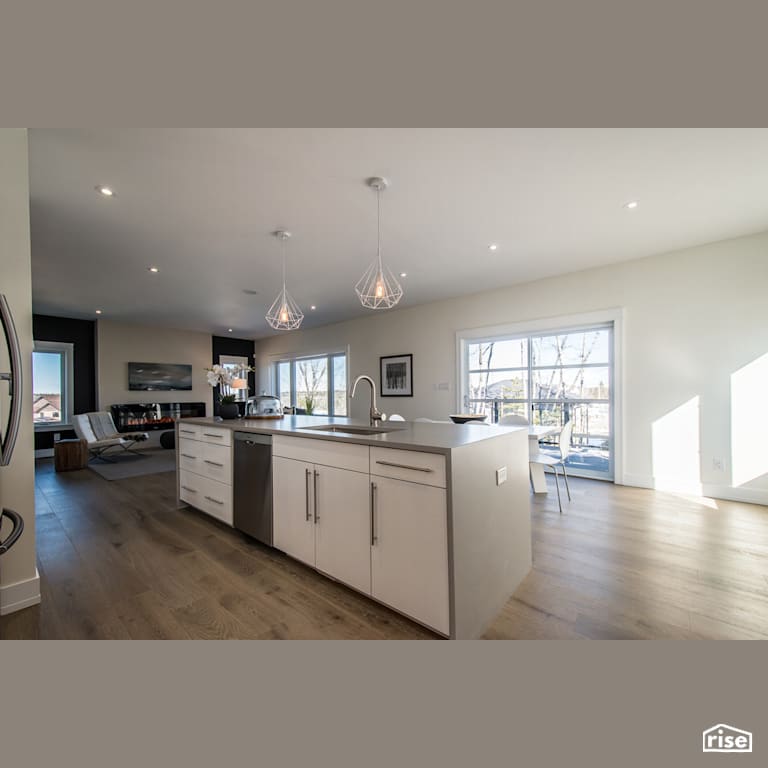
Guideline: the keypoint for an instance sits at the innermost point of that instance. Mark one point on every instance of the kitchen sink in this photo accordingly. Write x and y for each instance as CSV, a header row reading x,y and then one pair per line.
x,y
349,429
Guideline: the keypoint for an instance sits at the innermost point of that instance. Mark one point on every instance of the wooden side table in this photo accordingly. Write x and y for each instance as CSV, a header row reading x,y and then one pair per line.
x,y
69,455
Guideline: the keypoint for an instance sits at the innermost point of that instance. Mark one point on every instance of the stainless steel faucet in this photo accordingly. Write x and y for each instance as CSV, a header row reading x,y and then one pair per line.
x,y
375,413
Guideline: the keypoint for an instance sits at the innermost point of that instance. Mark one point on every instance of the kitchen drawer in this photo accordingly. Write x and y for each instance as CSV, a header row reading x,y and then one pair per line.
x,y
191,488
189,431
190,455
216,462
414,466
329,453
217,499
215,435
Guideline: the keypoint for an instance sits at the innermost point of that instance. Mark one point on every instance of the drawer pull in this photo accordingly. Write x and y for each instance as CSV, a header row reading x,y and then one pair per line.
x,y
187,431
210,434
188,456
215,501
215,463
403,466
187,488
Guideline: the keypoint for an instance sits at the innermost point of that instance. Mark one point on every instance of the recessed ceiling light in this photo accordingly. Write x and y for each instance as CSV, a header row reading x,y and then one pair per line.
x,y
492,247
106,191
98,311
313,307
154,269
403,274
229,330
631,205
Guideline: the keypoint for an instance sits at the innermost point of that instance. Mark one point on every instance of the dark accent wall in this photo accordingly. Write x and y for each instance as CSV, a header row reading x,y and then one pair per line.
x,y
82,334
226,345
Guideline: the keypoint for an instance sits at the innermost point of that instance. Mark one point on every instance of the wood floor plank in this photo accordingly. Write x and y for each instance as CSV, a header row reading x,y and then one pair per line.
x,y
120,560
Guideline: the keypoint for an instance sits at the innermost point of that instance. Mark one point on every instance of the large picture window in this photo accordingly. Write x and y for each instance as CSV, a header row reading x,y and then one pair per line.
x,y
550,378
313,385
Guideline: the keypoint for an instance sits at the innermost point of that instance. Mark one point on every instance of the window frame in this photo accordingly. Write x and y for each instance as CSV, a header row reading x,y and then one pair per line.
x,y
541,327
67,352
291,360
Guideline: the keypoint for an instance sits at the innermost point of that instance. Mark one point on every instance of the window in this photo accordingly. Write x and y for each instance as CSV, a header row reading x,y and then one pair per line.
x,y
550,378
317,385
52,384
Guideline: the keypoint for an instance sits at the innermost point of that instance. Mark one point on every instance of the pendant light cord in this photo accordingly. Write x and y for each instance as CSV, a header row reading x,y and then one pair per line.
x,y
378,226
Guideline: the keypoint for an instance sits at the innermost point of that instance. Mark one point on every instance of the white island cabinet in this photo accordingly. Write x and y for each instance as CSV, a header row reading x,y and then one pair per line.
x,y
362,524
432,520
321,513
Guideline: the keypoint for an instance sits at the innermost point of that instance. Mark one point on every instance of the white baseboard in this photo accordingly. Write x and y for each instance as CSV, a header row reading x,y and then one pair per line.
x,y
43,453
20,594
708,490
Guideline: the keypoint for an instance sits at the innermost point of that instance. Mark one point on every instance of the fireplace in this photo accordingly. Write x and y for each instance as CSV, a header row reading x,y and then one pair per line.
x,y
142,417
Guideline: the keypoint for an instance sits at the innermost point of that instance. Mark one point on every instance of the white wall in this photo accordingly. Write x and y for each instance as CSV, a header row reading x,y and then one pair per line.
x,y
693,319
19,584
117,344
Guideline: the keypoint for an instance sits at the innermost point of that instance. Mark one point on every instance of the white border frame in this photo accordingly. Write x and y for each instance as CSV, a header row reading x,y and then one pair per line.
x,y
561,322
68,349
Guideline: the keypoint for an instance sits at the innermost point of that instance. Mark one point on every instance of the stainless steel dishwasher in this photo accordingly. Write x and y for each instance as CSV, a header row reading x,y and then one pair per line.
x,y
253,485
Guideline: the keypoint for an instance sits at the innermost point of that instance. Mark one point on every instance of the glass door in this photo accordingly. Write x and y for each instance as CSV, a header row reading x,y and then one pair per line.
x,y
550,378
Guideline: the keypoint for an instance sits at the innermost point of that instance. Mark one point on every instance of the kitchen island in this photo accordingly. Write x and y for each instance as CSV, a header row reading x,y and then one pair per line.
x,y
430,519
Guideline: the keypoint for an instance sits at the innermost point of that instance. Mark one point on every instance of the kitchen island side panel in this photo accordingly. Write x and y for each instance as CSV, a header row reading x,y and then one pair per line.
x,y
490,529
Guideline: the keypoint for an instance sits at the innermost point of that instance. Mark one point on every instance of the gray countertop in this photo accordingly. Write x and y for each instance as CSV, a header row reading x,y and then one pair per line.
x,y
408,435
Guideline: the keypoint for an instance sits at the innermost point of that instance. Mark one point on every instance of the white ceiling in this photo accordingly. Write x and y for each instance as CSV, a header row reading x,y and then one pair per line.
x,y
201,204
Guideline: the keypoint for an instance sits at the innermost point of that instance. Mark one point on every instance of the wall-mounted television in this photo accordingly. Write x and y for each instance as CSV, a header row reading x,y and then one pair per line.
x,y
159,377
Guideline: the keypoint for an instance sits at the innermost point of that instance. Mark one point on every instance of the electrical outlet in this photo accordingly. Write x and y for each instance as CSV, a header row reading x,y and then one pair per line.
x,y
56,437
442,385
501,476
718,463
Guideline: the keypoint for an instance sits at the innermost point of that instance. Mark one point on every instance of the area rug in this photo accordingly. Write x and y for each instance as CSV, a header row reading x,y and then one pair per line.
x,y
127,465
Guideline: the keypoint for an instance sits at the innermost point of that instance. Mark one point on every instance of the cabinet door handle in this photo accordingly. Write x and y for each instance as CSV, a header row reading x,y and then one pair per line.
x,y
188,456
187,488
215,463
210,434
215,501
187,431
403,466
306,489
374,537
317,517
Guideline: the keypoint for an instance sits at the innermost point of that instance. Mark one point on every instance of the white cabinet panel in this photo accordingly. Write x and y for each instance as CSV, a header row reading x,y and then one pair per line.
x,y
191,431
343,526
190,455
216,462
293,520
217,499
215,435
190,488
409,557
415,466
329,453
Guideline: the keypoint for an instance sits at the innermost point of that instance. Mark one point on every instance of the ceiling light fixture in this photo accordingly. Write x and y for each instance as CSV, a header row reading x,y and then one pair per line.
x,y
98,311
284,314
229,330
403,274
313,307
631,205
154,269
378,288
492,247
106,191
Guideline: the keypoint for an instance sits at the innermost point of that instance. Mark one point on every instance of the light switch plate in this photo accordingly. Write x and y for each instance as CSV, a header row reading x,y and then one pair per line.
x,y
501,476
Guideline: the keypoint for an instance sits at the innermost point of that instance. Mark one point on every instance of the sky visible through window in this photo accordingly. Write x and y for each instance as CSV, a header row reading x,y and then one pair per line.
x,y
46,373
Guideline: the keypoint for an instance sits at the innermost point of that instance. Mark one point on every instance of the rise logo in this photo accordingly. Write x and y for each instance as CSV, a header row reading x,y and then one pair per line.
x,y
726,738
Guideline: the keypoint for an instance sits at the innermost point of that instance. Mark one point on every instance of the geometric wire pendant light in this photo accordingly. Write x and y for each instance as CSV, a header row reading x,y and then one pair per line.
x,y
284,314
378,288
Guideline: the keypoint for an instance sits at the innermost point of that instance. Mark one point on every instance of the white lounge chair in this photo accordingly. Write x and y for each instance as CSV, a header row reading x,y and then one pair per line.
x,y
99,432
